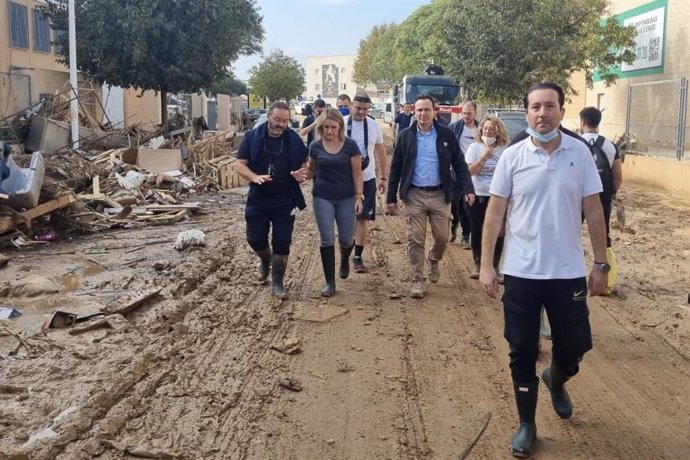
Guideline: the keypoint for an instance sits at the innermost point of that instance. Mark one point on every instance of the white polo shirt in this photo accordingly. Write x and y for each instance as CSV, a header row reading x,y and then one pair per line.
x,y
375,137
545,192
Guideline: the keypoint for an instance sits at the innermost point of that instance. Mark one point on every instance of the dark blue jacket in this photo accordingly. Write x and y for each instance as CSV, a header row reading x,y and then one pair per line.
x,y
296,151
405,156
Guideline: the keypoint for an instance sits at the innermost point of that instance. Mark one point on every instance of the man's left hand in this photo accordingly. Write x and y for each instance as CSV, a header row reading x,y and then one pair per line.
x,y
598,282
469,198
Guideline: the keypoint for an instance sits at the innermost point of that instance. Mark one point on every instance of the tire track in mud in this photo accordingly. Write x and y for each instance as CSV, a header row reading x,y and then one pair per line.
x,y
218,381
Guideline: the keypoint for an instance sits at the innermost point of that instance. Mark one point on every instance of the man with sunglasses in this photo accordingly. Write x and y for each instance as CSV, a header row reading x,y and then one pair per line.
x,y
268,158
367,133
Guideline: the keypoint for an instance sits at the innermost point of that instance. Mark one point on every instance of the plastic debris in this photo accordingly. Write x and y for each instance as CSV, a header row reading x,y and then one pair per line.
x,y
190,238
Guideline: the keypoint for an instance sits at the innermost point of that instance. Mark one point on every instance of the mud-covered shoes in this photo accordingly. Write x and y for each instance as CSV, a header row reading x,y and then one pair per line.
x,y
434,271
358,263
417,289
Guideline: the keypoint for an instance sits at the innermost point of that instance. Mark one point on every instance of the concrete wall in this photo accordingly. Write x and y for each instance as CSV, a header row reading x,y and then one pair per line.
x,y
144,109
662,173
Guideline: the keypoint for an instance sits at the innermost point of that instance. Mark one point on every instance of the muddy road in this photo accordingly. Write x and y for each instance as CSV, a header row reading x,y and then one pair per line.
x,y
209,368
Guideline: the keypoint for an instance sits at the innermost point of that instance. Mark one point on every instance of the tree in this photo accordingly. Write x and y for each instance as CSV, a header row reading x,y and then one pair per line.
x,y
501,48
277,77
168,46
421,39
373,63
228,84
391,51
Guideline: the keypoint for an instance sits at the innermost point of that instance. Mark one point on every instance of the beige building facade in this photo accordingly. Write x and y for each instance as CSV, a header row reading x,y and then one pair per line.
x,y
30,71
329,76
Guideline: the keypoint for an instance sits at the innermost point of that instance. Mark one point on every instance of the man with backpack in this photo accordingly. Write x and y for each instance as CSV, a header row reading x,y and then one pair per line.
x,y
610,168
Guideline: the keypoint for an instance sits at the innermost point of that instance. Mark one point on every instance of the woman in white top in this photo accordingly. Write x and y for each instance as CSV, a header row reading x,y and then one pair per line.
x,y
482,157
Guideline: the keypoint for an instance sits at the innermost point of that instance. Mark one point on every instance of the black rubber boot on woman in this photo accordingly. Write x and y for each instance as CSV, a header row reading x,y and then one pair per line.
x,y
345,261
328,263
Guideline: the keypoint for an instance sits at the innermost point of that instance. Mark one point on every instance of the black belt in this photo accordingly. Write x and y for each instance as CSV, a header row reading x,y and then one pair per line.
x,y
429,188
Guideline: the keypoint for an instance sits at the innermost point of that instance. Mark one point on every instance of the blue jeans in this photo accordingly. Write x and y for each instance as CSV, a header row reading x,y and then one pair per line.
x,y
340,211
261,215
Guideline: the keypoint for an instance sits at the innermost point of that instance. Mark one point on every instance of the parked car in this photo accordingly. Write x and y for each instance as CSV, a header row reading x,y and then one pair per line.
x,y
514,120
253,114
376,111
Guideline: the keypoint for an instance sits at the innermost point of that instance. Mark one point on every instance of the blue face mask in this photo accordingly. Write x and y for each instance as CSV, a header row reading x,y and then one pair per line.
x,y
344,111
543,138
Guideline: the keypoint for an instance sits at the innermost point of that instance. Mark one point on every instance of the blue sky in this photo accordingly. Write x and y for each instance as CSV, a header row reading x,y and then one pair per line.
x,y
304,28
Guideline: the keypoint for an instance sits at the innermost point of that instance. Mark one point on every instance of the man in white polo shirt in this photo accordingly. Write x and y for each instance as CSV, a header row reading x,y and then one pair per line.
x,y
545,182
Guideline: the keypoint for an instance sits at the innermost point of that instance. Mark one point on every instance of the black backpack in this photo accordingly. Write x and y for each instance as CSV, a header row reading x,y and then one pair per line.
x,y
603,166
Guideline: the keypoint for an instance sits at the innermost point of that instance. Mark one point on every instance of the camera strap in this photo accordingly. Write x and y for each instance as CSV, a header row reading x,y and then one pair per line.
x,y
366,134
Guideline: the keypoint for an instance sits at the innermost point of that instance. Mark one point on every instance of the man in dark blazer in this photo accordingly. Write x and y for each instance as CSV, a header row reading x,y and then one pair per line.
x,y
420,174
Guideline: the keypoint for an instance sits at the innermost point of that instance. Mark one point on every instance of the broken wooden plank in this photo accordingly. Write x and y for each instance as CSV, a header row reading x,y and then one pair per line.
x,y
102,198
133,301
96,185
49,206
99,324
172,207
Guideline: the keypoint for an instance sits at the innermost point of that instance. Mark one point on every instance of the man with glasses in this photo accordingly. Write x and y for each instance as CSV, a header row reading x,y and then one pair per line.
x,y
367,133
310,122
269,157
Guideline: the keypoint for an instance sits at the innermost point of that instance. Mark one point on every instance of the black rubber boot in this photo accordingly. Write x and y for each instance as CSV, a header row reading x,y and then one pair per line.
x,y
453,233
264,265
554,379
278,265
328,263
345,261
526,400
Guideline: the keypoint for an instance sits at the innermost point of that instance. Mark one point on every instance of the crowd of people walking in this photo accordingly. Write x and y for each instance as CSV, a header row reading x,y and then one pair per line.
x,y
519,205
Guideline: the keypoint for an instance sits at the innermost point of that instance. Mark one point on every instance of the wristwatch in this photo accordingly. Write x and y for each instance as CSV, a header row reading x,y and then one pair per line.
x,y
602,267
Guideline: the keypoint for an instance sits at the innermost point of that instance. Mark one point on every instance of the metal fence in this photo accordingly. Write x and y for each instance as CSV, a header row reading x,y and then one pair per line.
x,y
656,115
15,93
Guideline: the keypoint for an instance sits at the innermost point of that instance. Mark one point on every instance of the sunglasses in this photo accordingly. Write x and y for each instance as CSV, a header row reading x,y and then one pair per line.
x,y
362,99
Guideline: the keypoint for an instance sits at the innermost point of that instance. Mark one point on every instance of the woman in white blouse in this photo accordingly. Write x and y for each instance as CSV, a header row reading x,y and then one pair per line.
x,y
482,157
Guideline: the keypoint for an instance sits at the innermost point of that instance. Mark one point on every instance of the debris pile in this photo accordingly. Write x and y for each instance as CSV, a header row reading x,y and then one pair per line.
x,y
117,178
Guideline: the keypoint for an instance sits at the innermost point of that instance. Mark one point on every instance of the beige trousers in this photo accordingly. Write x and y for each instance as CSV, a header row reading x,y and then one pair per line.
x,y
422,206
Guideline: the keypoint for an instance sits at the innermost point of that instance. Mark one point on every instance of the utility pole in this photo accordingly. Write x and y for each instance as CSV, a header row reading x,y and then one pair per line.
x,y
74,102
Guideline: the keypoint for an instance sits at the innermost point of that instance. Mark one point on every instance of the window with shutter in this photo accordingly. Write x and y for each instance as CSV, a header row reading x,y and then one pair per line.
x,y
41,31
19,25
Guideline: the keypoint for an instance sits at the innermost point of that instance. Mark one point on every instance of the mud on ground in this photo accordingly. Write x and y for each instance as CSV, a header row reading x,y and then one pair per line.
x,y
209,368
